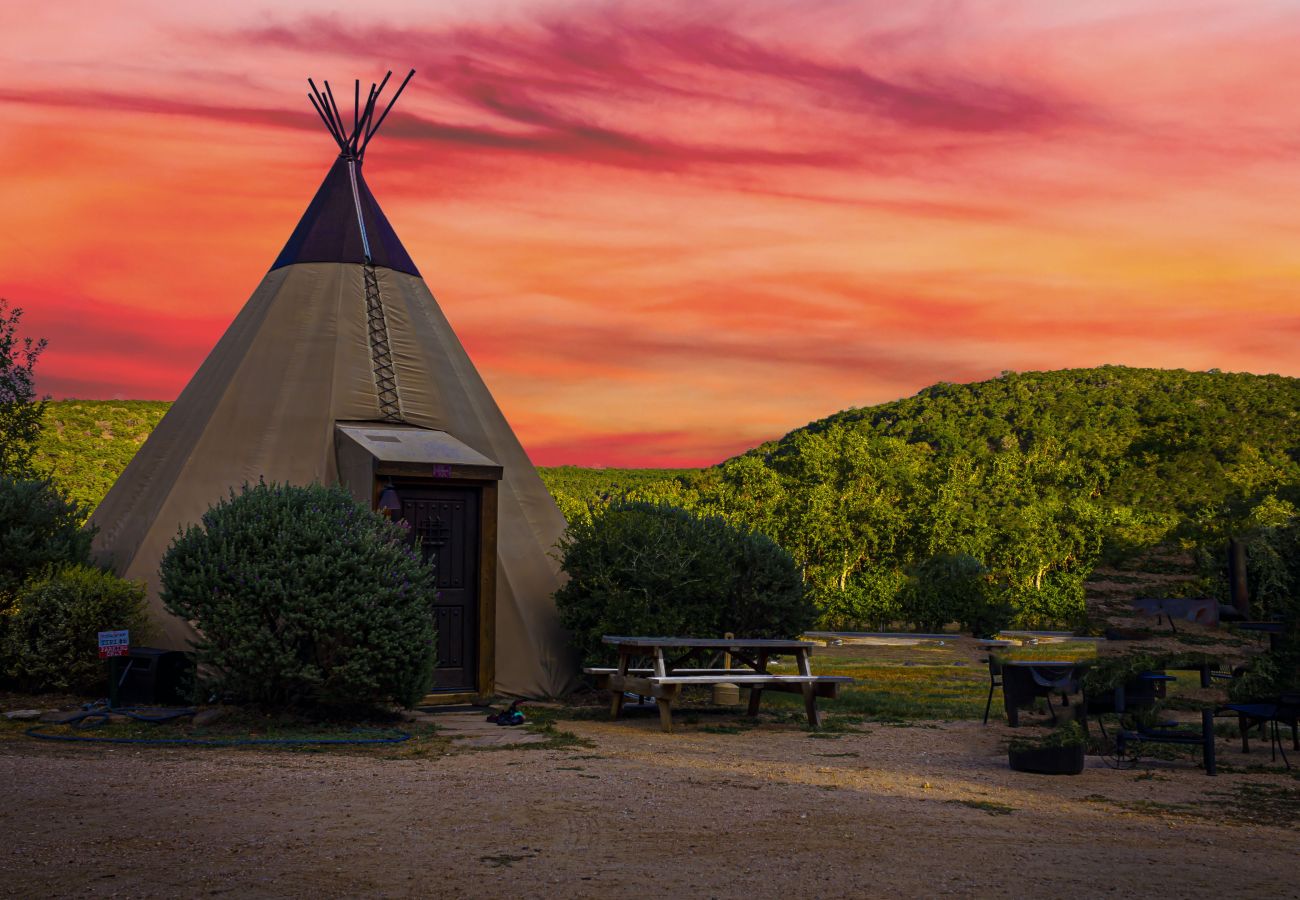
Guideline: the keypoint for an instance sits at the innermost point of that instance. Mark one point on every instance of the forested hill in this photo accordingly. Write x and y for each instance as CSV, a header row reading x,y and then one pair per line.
x,y
1105,411
1169,440
1032,476
85,444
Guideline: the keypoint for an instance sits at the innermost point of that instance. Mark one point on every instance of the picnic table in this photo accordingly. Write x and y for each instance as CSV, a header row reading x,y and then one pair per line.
x,y
678,662
1274,630
1024,680
1204,610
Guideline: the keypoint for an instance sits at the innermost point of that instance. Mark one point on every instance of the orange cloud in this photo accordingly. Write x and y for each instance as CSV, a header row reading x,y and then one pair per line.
x,y
667,233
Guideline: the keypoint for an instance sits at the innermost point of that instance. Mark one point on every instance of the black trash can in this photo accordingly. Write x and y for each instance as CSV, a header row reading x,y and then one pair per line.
x,y
148,676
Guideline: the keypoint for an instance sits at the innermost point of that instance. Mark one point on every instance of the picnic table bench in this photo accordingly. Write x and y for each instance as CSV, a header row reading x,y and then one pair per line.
x,y
667,675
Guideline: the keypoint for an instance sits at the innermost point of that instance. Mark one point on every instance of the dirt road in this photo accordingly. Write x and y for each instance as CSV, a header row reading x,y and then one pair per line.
x,y
771,812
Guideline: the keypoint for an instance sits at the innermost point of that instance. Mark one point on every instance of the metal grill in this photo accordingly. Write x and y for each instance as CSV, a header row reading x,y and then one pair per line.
x,y
381,356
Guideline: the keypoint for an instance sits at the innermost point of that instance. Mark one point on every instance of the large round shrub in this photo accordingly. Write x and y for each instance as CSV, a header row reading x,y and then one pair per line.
x,y
304,598
39,528
649,569
50,641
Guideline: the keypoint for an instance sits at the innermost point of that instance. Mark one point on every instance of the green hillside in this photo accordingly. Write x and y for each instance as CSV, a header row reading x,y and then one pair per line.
x,y
1037,477
1175,443
578,490
85,444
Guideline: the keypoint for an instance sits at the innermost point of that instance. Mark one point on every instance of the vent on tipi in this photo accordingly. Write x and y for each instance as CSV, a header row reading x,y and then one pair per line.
x,y
342,353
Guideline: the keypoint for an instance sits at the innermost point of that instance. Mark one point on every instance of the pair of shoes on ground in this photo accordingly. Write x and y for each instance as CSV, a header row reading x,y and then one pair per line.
x,y
511,716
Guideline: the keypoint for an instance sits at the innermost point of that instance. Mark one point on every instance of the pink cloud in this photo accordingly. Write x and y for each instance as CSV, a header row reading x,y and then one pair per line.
x,y
667,231
659,449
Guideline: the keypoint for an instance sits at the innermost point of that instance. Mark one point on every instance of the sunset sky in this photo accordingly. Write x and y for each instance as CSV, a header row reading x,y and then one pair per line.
x,y
668,231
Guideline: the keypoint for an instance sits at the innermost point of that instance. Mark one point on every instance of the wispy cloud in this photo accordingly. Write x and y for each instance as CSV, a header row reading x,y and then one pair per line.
x,y
616,90
665,231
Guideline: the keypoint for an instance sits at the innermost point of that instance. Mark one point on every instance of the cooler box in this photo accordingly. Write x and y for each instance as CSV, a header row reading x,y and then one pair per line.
x,y
148,676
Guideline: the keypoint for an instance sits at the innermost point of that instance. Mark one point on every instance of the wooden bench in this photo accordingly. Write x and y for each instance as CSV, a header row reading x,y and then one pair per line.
x,y
665,680
826,685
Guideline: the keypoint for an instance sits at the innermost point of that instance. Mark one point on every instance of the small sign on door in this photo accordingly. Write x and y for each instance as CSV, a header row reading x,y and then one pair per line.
x,y
114,643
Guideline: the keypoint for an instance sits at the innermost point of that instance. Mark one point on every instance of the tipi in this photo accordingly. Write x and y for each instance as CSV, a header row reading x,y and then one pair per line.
x,y
341,367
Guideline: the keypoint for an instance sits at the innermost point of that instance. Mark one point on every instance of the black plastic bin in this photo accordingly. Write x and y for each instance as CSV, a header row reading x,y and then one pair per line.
x,y
1048,760
148,676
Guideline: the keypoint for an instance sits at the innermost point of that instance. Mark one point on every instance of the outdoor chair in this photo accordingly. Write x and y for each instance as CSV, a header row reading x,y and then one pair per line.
x,y
1023,682
1269,717
1141,693
995,682
1129,742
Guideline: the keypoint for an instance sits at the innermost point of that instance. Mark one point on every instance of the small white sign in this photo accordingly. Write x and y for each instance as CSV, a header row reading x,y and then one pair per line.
x,y
114,643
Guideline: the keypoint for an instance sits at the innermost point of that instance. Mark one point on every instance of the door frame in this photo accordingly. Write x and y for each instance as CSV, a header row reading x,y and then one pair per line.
x,y
485,680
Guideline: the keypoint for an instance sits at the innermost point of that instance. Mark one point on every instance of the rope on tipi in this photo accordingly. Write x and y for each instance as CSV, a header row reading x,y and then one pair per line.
x,y
381,356
352,147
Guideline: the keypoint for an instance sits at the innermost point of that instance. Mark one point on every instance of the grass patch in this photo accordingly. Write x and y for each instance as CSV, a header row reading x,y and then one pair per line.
x,y
542,720
1254,803
1248,803
901,690
1155,807
988,806
1199,640
245,729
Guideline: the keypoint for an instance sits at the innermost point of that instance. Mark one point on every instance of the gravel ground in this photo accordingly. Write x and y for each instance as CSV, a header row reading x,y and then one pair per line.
x,y
916,811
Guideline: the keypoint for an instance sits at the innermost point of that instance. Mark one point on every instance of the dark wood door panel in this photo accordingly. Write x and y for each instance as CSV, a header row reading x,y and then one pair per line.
x,y
445,525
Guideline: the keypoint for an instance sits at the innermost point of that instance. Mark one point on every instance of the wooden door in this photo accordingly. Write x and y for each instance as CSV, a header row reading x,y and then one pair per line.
x,y
445,524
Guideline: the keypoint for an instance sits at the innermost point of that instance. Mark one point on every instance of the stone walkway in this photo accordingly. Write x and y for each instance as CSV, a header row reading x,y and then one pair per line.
x,y
472,729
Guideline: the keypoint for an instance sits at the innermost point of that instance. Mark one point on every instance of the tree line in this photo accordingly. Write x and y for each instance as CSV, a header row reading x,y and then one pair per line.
x,y
1030,479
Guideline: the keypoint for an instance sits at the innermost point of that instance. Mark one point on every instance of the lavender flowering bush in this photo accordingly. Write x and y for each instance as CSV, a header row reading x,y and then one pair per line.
x,y
304,599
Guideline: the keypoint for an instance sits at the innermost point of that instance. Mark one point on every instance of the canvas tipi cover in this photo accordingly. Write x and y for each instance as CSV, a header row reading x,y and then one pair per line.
x,y
298,358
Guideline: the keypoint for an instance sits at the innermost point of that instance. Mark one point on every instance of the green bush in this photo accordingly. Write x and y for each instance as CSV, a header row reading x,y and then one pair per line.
x,y
650,569
940,588
869,601
1058,600
1272,673
953,588
50,642
1103,675
1273,571
39,528
304,599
